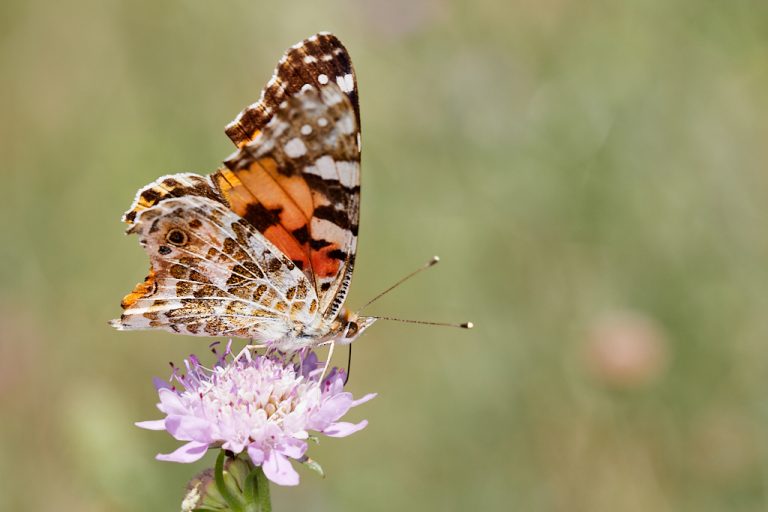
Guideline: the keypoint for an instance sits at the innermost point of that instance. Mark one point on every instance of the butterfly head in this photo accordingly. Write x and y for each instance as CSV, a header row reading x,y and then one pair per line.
x,y
351,325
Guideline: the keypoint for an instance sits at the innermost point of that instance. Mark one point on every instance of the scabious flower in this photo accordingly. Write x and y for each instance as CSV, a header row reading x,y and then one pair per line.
x,y
264,406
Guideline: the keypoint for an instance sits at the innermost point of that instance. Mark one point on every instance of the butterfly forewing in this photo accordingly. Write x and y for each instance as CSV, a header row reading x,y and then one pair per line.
x,y
298,182
317,61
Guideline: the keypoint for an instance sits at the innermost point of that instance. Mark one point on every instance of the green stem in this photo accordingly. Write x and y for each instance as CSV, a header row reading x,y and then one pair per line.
x,y
257,492
234,502
265,501
251,492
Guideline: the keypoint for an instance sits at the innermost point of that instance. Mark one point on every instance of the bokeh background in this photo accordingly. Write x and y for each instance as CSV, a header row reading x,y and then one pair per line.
x,y
592,172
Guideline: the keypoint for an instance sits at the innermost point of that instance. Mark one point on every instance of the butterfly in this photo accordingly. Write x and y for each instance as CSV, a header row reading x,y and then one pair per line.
x,y
264,247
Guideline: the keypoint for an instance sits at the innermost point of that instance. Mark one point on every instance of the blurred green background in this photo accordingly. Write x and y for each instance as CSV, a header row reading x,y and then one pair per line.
x,y
593,174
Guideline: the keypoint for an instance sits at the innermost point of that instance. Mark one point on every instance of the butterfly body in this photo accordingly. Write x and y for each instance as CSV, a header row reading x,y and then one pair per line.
x,y
264,247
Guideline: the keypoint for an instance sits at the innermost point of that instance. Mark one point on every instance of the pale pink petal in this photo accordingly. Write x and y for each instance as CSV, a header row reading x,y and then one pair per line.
x,y
151,425
234,446
334,408
336,385
279,469
293,448
160,383
256,454
189,428
343,428
170,403
309,364
190,452
366,398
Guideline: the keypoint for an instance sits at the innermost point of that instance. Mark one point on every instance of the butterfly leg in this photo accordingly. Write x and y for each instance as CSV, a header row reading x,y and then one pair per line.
x,y
328,361
247,351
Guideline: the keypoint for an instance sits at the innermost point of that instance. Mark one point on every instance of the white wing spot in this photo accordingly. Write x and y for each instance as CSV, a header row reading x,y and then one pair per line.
x,y
327,57
327,167
323,79
328,230
306,87
309,59
322,122
346,82
349,173
295,148
345,124
306,129
359,142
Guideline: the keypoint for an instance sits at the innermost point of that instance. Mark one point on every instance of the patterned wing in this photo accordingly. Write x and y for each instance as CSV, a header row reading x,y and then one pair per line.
x,y
212,273
298,182
317,61
295,180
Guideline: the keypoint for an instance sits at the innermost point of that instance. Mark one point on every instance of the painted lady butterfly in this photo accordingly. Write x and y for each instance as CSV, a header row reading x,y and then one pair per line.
x,y
264,247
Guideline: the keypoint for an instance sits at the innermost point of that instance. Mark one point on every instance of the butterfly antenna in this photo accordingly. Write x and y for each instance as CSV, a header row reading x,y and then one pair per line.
x,y
432,262
465,325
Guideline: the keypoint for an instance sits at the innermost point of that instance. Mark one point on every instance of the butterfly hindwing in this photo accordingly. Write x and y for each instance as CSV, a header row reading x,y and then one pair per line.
x,y
212,274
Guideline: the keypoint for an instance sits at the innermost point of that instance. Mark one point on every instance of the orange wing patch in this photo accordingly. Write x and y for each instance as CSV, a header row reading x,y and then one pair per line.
x,y
325,262
278,206
141,290
281,208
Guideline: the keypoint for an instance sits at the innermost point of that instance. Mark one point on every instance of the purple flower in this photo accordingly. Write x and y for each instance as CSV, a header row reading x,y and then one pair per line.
x,y
265,405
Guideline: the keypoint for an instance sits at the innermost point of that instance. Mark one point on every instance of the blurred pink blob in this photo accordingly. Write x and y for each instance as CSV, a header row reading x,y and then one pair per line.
x,y
626,349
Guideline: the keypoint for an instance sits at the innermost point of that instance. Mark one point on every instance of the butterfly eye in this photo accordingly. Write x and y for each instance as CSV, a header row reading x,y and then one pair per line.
x,y
176,237
351,330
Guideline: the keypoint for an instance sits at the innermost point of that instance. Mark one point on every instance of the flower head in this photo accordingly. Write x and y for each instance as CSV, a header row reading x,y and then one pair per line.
x,y
264,405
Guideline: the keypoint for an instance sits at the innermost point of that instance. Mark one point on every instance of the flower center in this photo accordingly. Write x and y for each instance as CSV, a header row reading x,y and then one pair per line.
x,y
262,385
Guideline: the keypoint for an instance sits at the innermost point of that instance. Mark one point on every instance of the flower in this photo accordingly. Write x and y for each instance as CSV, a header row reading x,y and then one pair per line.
x,y
264,405
626,350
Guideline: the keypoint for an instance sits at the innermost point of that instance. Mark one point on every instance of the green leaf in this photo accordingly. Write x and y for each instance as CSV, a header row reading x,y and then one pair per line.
x,y
239,469
234,500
